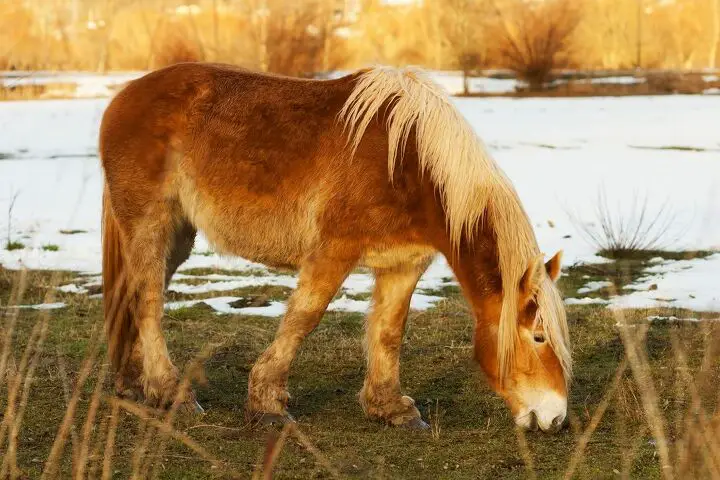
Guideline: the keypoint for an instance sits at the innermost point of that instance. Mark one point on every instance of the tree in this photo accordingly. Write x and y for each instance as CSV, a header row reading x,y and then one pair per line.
x,y
462,26
715,35
532,36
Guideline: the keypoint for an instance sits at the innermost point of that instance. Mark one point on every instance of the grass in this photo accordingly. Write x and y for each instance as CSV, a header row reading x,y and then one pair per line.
x,y
50,248
271,292
679,148
472,436
204,271
14,245
72,232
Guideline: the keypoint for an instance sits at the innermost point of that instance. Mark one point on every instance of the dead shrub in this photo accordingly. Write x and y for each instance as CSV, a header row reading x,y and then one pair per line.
x,y
533,38
624,234
176,48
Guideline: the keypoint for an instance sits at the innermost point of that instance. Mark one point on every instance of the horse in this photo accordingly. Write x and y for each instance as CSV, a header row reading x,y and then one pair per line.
x,y
375,169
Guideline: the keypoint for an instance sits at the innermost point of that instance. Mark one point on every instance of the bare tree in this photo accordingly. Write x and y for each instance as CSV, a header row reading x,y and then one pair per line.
x,y
532,36
463,26
715,36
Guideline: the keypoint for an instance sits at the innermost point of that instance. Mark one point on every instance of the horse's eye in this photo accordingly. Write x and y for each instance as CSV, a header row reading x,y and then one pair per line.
x,y
539,337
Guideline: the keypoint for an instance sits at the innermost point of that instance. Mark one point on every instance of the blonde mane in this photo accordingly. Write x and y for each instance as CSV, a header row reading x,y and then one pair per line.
x,y
472,186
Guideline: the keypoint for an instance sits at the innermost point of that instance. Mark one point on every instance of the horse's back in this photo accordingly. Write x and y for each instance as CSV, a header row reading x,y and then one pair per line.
x,y
249,159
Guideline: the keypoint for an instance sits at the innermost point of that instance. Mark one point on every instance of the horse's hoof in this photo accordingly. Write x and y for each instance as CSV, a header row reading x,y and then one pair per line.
x,y
416,423
272,419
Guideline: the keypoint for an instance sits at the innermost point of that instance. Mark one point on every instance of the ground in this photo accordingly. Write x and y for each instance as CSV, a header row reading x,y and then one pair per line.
x,y
564,156
472,432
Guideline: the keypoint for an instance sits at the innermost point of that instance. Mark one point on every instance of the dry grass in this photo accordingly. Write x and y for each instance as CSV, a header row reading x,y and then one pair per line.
x,y
644,403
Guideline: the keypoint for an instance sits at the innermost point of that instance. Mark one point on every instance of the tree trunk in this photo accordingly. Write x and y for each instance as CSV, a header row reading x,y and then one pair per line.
x,y
216,38
715,37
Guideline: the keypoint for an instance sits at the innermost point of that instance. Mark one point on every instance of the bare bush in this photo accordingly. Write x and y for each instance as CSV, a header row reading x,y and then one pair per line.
x,y
622,234
533,37
177,48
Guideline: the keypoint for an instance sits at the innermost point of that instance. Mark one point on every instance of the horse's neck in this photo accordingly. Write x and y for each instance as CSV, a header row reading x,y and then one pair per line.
x,y
476,267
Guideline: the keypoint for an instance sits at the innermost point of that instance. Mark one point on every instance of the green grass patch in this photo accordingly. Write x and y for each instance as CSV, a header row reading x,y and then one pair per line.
x,y
50,248
14,246
72,232
206,253
646,255
679,148
448,291
201,272
271,292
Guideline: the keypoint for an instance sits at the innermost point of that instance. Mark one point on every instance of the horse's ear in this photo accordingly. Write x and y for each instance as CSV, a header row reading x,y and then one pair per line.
x,y
553,266
530,281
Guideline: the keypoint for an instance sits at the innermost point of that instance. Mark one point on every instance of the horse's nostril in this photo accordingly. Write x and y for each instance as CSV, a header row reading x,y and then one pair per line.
x,y
557,421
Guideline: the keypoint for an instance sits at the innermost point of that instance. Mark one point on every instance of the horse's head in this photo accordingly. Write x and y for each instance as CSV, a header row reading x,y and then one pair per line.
x,y
529,365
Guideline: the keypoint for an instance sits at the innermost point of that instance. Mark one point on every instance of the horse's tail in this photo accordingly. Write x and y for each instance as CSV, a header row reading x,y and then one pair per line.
x,y
118,296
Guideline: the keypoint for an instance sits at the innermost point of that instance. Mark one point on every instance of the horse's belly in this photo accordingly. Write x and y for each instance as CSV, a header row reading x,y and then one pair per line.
x,y
274,233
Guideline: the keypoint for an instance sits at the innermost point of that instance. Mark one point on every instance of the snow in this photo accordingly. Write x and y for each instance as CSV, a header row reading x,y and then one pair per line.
x,y
86,85
41,306
560,153
222,305
72,288
453,83
594,286
585,301
671,318
239,282
620,80
692,284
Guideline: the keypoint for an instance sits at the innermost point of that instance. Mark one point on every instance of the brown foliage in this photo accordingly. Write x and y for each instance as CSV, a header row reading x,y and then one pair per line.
x,y
534,38
176,48
307,36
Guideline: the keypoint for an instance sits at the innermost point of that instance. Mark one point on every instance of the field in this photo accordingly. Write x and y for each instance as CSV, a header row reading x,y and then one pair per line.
x,y
646,341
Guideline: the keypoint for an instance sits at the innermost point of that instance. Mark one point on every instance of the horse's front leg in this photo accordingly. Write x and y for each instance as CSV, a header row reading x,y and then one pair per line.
x,y
320,278
380,396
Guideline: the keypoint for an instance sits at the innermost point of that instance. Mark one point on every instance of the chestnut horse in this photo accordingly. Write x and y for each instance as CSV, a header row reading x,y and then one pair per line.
x,y
377,168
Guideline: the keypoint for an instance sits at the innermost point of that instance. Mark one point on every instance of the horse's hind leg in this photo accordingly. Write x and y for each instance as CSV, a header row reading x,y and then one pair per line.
x,y
149,246
380,396
319,280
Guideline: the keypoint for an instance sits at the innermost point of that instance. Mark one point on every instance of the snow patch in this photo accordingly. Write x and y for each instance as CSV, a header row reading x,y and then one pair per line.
x,y
586,301
41,306
72,288
594,286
